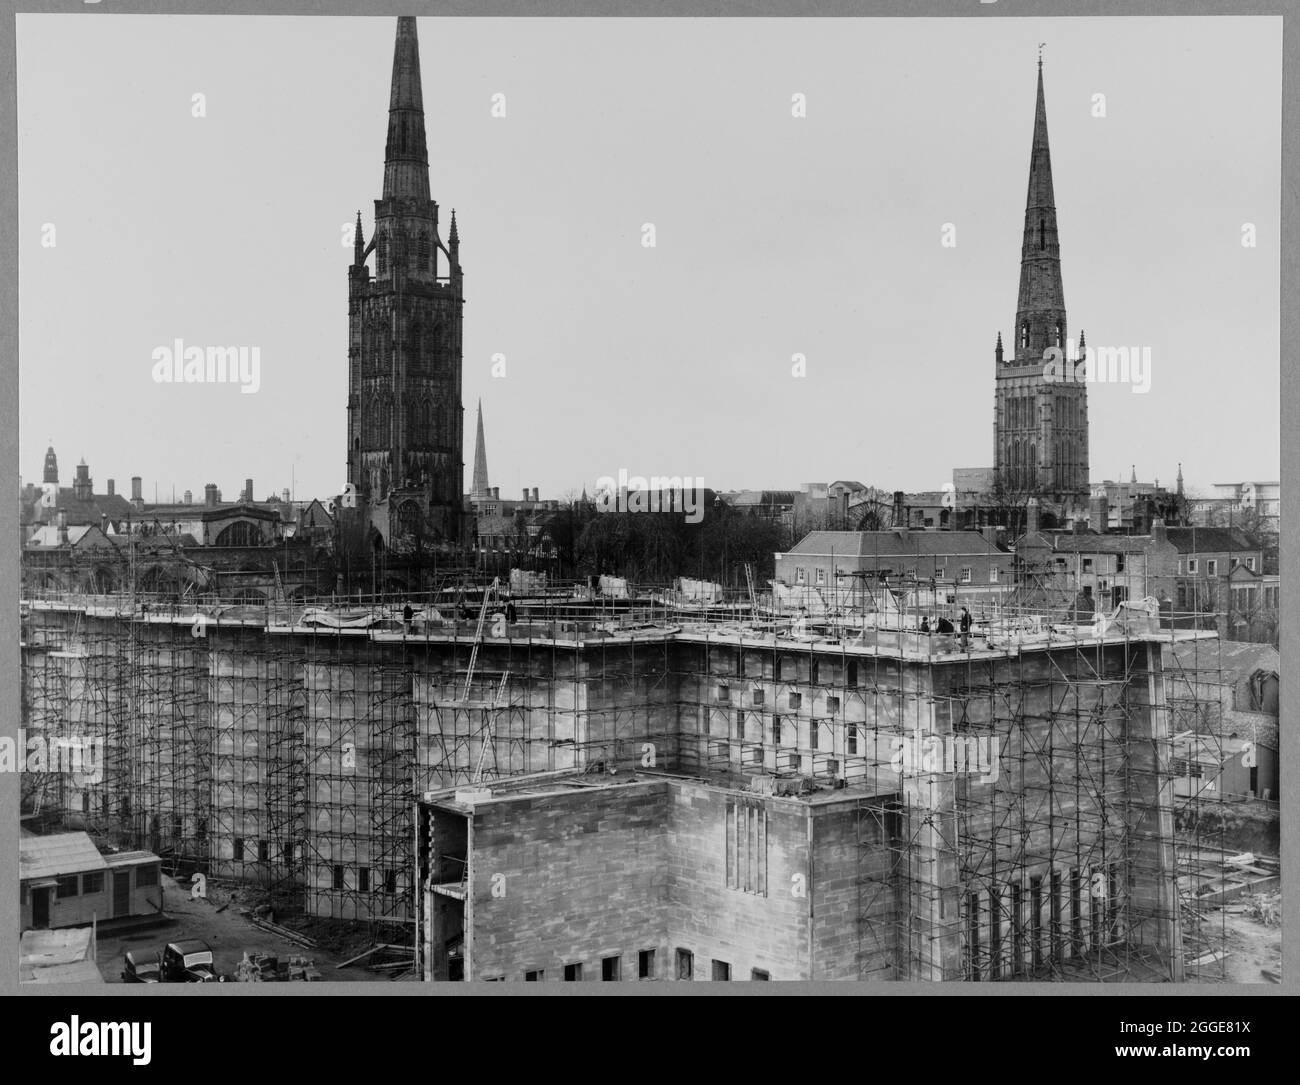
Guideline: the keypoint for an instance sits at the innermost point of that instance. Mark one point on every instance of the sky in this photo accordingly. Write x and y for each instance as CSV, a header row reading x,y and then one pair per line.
x,y
776,236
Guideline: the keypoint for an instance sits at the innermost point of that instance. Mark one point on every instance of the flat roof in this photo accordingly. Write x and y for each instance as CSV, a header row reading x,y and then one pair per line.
x,y
126,858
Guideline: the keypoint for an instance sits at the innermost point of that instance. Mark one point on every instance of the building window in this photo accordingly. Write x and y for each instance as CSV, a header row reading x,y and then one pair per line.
x,y
760,974
814,732
263,851
799,575
239,850
776,731
363,879
821,576
1191,566
909,574
92,883
685,964
67,886
1119,563
146,876
1211,567
572,973
338,877
645,964
965,574
724,692
814,672
993,574
721,970
940,571
796,699
611,968
747,847
832,704
851,738
1087,565
852,679
757,697
1250,564
286,853
536,976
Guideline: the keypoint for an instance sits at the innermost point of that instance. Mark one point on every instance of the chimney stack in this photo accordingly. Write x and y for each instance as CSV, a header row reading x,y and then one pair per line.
x,y
284,495
111,488
900,513
136,495
189,497
1158,532
535,498
210,495
248,490
1031,516
525,493
496,493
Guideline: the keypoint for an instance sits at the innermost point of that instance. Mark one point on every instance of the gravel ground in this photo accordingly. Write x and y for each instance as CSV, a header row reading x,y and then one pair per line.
x,y
230,935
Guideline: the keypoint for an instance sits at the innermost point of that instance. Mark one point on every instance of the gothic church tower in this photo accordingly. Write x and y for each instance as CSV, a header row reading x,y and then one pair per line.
x,y
1040,426
405,447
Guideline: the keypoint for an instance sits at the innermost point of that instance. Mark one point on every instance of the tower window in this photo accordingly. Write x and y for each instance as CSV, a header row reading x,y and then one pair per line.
x,y
1024,334
1042,233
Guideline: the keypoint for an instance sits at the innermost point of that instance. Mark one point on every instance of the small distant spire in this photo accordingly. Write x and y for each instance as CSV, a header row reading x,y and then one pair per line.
x,y
1041,46
454,236
1180,480
358,242
1135,474
997,351
480,458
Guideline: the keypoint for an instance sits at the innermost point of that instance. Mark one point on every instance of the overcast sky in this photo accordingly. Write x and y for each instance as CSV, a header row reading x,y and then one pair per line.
x,y
775,236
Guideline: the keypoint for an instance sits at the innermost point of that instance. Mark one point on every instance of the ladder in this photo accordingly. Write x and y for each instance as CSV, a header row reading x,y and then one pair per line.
x,y
279,584
753,596
478,637
488,734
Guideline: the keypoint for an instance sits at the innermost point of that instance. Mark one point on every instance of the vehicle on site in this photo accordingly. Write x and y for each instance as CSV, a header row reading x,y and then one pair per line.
x,y
189,961
139,966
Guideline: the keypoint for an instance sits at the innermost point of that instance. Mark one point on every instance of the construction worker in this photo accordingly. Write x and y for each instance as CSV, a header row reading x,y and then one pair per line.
x,y
965,627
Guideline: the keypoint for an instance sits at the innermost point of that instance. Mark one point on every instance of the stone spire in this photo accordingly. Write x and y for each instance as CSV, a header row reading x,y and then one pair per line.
x,y
1040,310
51,466
358,243
406,156
480,459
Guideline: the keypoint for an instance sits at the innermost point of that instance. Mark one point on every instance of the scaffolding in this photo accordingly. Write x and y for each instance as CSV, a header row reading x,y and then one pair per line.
x,y
260,745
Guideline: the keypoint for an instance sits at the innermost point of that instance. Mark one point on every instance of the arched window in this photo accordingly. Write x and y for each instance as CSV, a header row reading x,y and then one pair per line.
x,y
1056,335
1024,334
240,533
422,259
381,254
1042,233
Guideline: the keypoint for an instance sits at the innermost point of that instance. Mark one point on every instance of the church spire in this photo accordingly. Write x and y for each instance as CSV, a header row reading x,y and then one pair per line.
x,y
358,243
1040,310
480,458
406,156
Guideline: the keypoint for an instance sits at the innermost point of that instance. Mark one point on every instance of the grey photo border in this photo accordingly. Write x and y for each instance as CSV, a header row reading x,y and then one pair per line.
x,y
1290,408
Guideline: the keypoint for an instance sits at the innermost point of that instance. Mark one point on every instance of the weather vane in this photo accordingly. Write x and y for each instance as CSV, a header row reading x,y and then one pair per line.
x,y
1041,45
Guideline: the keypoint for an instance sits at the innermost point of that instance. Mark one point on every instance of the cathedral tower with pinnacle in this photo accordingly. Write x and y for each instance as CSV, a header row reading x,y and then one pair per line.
x,y
405,461
1040,429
